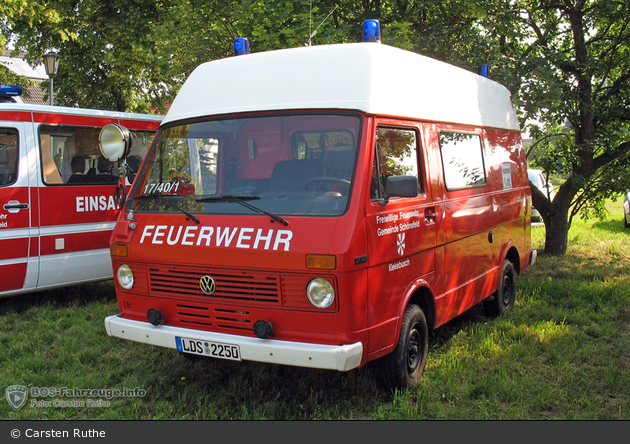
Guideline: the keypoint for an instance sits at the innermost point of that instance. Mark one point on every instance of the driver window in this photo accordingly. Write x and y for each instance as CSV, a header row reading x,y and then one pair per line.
x,y
396,155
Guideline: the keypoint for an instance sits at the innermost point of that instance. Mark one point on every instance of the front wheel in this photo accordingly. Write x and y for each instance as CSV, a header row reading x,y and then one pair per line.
x,y
403,367
502,300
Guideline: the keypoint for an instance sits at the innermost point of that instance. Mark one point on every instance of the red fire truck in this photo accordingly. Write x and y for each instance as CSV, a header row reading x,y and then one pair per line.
x,y
323,207
57,193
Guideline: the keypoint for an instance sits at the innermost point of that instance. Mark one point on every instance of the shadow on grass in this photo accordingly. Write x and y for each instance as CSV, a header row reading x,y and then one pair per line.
x,y
76,295
253,390
612,226
298,393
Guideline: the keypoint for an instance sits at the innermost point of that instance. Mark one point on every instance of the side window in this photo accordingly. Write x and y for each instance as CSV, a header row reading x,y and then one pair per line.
x,y
462,159
396,155
70,155
8,156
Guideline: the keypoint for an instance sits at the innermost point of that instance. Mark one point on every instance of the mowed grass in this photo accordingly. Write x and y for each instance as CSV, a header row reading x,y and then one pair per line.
x,y
562,353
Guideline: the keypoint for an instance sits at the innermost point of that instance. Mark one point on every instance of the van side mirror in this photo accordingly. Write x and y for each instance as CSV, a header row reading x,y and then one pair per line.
x,y
401,186
115,142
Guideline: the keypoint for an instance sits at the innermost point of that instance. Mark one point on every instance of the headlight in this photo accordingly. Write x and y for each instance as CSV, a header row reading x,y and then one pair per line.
x,y
320,293
125,276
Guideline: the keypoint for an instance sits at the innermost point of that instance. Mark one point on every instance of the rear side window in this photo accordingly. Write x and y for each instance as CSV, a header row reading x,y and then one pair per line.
x,y
70,155
8,156
462,159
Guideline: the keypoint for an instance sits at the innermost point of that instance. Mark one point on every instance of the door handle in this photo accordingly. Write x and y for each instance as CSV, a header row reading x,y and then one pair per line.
x,y
15,206
18,206
430,213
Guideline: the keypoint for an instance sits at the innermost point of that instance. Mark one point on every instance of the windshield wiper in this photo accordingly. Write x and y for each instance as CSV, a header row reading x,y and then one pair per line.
x,y
169,203
242,200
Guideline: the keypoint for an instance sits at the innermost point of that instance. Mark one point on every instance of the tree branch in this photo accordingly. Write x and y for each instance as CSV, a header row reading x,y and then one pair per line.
x,y
609,156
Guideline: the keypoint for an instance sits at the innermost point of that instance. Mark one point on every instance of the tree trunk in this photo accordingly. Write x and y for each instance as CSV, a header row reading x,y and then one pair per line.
x,y
555,216
557,232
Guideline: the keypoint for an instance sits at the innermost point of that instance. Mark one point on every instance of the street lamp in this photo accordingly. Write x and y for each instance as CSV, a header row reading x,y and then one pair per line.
x,y
51,63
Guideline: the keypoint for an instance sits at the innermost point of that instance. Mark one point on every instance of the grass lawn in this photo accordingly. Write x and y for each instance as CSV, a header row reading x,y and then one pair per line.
x,y
562,353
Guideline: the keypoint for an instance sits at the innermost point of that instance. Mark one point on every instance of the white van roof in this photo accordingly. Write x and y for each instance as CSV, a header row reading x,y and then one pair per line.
x,y
368,77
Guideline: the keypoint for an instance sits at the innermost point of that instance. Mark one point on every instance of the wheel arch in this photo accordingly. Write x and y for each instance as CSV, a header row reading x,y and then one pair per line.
x,y
420,294
510,252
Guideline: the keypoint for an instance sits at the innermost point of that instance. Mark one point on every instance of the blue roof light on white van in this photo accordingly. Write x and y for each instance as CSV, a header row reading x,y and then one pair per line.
x,y
10,90
484,71
372,31
241,46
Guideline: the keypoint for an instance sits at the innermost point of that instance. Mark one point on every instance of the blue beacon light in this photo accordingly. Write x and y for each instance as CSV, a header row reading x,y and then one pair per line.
x,y
241,46
10,90
484,71
372,31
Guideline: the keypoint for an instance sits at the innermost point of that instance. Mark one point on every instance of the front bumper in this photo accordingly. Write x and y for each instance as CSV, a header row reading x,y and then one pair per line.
x,y
532,258
331,357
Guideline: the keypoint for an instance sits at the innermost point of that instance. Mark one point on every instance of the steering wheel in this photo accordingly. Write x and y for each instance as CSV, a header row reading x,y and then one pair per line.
x,y
321,183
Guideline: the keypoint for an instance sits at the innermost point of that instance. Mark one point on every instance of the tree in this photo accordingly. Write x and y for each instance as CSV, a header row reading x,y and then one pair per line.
x,y
570,73
108,53
7,77
566,63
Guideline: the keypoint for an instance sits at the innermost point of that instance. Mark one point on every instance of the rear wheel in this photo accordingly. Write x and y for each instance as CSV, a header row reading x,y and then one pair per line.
x,y
403,367
502,301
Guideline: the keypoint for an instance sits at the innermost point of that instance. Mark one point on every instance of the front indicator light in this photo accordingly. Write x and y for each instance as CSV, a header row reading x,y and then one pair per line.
x,y
125,276
322,262
320,293
118,250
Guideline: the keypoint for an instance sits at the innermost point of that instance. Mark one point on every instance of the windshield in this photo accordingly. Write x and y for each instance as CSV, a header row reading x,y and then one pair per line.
x,y
280,165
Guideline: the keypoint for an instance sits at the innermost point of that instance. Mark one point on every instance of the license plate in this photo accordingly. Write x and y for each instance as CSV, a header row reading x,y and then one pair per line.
x,y
208,348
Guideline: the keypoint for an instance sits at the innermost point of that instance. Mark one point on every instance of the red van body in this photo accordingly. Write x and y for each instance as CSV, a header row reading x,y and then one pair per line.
x,y
322,214
57,207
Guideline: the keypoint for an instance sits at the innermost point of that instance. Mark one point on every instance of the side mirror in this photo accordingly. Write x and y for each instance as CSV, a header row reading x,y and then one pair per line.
x,y
115,142
401,186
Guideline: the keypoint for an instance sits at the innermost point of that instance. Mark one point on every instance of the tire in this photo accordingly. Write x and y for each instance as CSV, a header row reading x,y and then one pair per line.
x,y
403,367
502,301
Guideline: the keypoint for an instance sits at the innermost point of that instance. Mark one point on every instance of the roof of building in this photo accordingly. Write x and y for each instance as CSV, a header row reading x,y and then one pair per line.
x,y
19,66
368,77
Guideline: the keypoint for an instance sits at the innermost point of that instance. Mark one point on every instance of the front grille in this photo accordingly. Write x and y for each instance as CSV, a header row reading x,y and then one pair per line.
x,y
231,286
217,317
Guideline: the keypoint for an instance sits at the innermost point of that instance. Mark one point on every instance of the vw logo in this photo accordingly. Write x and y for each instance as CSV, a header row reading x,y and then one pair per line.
x,y
207,285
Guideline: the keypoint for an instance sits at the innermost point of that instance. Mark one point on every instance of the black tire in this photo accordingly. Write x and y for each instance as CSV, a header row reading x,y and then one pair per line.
x,y
502,301
403,367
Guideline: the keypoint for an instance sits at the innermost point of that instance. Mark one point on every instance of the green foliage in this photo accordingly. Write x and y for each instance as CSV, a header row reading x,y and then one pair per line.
x,y
107,49
7,77
566,63
567,66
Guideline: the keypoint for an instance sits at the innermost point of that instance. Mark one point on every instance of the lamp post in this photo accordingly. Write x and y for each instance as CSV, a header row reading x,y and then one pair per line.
x,y
51,63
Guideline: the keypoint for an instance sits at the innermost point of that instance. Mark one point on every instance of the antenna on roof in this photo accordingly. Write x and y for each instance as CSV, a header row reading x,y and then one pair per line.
x,y
312,34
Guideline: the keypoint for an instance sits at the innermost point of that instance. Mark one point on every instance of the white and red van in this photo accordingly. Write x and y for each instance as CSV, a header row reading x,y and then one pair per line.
x,y
57,194
323,207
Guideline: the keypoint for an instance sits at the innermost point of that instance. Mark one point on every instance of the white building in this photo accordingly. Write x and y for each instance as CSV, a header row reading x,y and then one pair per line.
x,y
20,67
